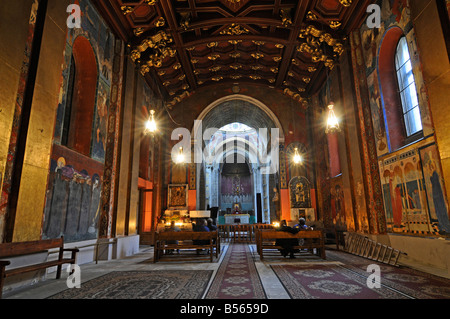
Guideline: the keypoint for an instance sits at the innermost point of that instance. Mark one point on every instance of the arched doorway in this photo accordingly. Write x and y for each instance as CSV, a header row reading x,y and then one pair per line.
x,y
239,138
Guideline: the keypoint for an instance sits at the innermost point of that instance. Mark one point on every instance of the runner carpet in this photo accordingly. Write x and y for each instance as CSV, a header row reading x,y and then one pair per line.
x,y
237,277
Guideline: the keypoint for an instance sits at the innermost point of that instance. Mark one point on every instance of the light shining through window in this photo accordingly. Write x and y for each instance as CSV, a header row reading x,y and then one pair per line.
x,y
407,88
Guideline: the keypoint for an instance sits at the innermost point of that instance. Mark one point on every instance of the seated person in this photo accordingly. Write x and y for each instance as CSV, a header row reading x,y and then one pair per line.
x,y
301,224
172,228
211,225
287,244
200,226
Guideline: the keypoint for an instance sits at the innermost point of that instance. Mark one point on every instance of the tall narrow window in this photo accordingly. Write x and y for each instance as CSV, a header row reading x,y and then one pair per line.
x,y
68,110
407,89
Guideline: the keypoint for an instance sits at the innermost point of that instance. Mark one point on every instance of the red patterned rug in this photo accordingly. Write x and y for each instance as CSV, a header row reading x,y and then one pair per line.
x,y
327,281
409,281
237,277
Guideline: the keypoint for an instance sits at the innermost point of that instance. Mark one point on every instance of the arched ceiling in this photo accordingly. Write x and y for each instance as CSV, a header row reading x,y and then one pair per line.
x,y
186,44
237,111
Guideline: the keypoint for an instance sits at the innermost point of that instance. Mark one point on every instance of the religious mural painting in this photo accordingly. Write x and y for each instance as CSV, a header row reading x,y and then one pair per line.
x,y
178,196
237,189
435,189
413,193
337,203
300,192
75,185
73,202
99,132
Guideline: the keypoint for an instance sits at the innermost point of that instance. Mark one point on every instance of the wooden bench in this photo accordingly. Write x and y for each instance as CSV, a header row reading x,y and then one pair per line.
x,y
186,240
313,239
31,247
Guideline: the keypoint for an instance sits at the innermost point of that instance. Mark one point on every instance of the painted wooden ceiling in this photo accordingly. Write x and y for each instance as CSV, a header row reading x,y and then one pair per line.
x,y
187,44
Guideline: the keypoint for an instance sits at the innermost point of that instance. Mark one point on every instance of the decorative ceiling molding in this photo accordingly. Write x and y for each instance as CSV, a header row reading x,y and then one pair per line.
x,y
283,44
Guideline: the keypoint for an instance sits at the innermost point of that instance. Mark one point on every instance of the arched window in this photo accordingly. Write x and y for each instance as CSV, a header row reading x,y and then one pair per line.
x,y
407,89
400,99
81,96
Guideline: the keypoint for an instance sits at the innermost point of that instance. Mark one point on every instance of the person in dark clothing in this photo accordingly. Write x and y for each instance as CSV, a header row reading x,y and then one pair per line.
x,y
210,225
172,228
200,226
301,224
287,244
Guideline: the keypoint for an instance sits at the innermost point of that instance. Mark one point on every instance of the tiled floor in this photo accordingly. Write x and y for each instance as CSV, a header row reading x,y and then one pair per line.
x,y
143,261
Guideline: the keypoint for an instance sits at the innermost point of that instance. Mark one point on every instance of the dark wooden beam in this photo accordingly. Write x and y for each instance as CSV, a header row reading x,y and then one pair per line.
x,y
171,18
356,15
226,38
114,18
299,16
237,20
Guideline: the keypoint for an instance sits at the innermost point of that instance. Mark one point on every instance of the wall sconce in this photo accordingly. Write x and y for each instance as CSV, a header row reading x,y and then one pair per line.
x,y
297,157
180,156
332,122
150,126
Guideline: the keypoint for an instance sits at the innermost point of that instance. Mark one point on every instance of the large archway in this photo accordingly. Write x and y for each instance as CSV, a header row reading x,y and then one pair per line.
x,y
238,132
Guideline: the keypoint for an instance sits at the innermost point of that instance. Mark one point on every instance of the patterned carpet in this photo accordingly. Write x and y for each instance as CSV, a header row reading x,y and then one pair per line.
x,y
345,276
341,276
142,285
409,281
315,281
237,277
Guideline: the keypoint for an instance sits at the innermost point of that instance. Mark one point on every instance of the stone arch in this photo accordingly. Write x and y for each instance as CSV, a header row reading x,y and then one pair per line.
x,y
83,102
234,108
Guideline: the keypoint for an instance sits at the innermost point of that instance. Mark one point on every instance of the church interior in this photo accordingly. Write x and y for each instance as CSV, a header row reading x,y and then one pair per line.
x,y
122,119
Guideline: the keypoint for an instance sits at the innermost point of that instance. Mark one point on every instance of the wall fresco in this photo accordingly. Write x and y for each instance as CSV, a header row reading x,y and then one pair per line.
x,y
394,13
102,41
74,201
73,197
435,190
413,193
236,189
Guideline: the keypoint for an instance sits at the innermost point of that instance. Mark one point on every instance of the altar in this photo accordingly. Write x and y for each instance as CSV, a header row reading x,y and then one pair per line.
x,y
237,219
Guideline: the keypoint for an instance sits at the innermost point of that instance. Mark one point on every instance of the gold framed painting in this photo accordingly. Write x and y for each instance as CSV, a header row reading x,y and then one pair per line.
x,y
178,195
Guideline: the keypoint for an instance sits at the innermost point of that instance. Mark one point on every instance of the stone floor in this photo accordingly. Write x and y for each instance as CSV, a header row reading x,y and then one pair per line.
x,y
143,261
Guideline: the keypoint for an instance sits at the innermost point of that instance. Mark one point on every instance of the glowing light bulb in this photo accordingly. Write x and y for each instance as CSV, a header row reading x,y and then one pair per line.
x,y
297,157
332,122
180,156
150,126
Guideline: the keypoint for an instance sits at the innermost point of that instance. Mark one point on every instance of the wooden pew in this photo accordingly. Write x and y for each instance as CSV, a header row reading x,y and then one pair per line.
x,y
313,239
186,240
26,248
